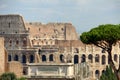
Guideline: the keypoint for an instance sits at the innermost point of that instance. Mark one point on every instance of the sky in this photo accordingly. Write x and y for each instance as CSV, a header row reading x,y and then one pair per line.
x,y
83,14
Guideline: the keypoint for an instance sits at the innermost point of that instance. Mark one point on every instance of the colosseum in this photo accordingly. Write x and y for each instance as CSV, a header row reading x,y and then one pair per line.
x,y
54,44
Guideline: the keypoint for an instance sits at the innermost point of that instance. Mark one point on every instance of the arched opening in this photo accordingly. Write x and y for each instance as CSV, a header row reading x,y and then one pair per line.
x,y
115,57
97,58
24,42
17,42
76,59
103,59
16,58
23,59
9,57
51,57
83,58
62,58
90,57
97,74
31,58
43,58
69,58
103,71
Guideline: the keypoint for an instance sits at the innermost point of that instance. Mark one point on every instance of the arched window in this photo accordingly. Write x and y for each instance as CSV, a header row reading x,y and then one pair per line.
x,y
17,42
90,57
103,71
61,58
23,59
115,57
31,58
9,57
51,57
97,58
43,58
103,59
83,58
76,59
16,58
97,74
69,58
24,42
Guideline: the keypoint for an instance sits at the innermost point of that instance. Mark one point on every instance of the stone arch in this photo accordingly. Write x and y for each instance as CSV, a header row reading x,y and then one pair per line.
x,y
103,59
103,71
51,57
76,59
90,57
23,58
31,58
17,42
83,58
69,58
24,42
115,57
62,58
9,57
97,58
16,58
44,58
97,74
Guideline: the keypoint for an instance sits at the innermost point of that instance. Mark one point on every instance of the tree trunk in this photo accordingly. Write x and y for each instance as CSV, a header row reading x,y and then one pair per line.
x,y
116,72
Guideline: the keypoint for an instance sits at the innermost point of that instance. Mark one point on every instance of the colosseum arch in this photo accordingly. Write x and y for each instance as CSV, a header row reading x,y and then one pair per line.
x,y
9,57
31,58
103,59
76,59
83,58
44,58
103,71
51,57
115,57
90,57
61,58
97,58
24,42
16,58
23,58
97,74
69,58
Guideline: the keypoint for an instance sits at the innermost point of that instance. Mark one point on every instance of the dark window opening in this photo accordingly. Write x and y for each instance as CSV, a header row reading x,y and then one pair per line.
x,y
16,58
61,58
83,58
43,58
51,57
76,59
23,59
31,58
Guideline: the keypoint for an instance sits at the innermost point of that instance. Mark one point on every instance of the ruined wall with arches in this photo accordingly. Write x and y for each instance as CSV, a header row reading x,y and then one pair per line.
x,y
51,43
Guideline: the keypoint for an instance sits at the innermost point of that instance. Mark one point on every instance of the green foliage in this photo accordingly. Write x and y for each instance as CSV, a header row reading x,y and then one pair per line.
x,y
108,32
8,76
108,74
22,78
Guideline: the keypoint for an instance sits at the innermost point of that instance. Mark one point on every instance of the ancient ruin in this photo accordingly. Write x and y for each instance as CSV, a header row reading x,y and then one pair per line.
x,y
56,44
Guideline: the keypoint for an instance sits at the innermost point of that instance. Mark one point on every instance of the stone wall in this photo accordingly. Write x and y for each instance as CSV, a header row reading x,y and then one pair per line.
x,y
15,67
2,56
